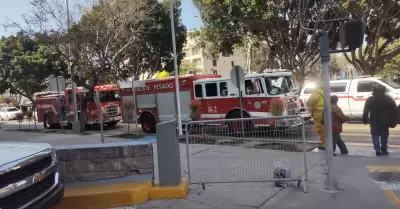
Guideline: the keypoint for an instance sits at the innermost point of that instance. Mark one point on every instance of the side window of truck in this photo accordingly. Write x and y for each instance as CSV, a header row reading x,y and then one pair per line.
x,y
223,89
211,90
198,91
338,87
365,86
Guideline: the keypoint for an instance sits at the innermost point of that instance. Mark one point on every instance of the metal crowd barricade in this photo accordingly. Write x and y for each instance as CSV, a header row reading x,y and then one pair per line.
x,y
219,151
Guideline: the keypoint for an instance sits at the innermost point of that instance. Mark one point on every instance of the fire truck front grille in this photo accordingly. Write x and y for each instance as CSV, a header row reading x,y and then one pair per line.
x,y
111,110
291,108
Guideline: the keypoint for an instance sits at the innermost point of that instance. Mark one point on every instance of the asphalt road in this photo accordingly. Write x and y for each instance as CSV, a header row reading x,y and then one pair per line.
x,y
354,133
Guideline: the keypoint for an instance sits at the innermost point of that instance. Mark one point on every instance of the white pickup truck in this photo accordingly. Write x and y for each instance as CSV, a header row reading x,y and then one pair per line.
x,y
29,176
354,93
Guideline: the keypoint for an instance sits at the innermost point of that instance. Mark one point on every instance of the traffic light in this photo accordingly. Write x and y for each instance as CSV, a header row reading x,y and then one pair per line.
x,y
352,34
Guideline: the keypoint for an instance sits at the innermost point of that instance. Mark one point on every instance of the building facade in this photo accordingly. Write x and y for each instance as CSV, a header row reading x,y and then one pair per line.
x,y
222,65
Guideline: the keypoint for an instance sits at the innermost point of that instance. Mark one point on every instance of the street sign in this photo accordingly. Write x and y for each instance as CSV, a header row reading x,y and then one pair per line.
x,y
237,76
57,83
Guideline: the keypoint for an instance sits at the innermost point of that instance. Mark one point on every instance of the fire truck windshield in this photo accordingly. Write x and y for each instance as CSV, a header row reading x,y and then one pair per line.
x,y
109,96
279,84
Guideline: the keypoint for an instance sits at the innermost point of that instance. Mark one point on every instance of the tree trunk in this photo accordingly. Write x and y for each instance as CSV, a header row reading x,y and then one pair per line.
x,y
249,56
300,78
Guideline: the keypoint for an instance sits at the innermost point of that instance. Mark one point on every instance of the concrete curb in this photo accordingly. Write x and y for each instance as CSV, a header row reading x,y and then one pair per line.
x,y
116,195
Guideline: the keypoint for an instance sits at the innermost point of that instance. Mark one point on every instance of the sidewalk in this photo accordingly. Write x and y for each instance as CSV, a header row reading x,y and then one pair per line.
x,y
356,190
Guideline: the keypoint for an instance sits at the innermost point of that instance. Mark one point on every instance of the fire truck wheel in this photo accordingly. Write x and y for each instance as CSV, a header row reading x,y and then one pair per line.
x,y
235,127
148,123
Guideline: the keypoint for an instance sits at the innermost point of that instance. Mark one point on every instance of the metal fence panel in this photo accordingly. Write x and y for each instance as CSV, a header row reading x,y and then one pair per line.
x,y
219,151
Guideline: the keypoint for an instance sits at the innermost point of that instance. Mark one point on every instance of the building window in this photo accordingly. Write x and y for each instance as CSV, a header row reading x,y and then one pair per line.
x,y
223,89
211,90
197,51
198,91
214,62
198,63
187,53
232,63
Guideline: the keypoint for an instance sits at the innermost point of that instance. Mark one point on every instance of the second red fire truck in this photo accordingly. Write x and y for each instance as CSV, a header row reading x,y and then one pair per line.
x,y
219,98
55,109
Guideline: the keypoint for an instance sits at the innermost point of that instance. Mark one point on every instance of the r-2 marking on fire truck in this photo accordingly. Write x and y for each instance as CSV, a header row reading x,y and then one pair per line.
x,y
212,109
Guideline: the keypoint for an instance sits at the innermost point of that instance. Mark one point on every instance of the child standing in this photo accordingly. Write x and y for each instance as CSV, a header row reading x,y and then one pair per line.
x,y
338,118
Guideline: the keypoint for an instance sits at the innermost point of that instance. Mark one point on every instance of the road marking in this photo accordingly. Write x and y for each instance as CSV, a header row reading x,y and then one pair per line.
x,y
393,198
383,169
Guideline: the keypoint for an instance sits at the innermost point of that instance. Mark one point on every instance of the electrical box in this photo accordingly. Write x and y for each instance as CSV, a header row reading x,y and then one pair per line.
x,y
352,34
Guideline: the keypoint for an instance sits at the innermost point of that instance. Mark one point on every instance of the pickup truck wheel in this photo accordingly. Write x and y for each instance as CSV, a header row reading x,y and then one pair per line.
x,y
236,126
148,123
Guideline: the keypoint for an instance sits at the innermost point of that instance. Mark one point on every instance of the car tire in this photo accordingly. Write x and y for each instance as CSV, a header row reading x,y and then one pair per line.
x,y
8,118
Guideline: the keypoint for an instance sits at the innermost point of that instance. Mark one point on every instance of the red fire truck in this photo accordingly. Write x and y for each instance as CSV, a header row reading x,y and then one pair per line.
x,y
218,96
55,109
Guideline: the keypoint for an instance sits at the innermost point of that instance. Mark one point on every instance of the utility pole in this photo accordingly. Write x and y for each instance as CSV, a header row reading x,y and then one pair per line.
x,y
73,86
177,98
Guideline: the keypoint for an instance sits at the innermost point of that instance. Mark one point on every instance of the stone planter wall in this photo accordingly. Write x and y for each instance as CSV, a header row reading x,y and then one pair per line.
x,y
103,161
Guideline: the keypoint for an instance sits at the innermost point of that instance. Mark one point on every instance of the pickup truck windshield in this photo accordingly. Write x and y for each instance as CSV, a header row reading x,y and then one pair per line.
x,y
279,84
390,83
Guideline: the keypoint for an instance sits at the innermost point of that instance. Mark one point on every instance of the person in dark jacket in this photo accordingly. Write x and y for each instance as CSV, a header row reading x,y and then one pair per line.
x,y
381,109
338,118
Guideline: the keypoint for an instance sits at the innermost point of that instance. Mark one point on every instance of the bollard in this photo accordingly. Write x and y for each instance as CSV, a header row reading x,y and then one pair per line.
x,y
169,161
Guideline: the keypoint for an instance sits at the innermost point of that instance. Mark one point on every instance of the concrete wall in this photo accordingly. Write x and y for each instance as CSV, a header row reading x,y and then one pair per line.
x,y
103,161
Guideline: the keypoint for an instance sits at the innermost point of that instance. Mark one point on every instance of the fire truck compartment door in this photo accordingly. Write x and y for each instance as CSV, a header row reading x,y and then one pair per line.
x,y
166,105
146,101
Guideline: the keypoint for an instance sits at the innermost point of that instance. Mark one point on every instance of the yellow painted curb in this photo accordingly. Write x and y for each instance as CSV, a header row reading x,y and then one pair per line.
x,y
107,196
369,145
383,169
393,198
116,195
170,192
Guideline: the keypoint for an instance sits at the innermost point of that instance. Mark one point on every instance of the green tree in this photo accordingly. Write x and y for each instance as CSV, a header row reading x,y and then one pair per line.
x,y
289,28
187,67
381,26
26,65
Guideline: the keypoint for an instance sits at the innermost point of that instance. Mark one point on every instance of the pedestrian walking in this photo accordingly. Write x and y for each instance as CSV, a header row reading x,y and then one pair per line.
x,y
316,105
381,109
338,118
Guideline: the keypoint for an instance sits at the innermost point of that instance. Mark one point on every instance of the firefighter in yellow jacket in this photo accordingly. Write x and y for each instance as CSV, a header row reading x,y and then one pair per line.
x,y
316,105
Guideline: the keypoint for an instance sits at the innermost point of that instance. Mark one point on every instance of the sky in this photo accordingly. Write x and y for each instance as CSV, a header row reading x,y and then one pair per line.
x,y
13,9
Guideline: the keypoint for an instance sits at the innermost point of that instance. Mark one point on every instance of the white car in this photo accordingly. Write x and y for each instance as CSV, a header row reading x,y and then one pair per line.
x,y
9,113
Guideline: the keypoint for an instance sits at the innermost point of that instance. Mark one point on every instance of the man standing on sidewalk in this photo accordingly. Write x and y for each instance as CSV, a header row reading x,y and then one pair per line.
x,y
338,118
316,105
381,109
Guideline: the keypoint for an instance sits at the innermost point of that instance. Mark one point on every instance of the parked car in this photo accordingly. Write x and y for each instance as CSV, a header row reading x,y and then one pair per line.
x,y
9,113
29,176
354,93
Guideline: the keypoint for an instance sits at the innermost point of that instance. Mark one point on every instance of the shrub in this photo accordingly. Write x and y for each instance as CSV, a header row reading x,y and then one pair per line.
x,y
277,107
195,110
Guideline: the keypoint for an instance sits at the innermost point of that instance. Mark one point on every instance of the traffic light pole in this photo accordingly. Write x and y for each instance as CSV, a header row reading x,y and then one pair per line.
x,y
330,182
351,37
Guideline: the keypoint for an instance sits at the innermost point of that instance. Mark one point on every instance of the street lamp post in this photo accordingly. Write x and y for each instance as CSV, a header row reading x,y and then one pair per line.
x,y
73,86
177,99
